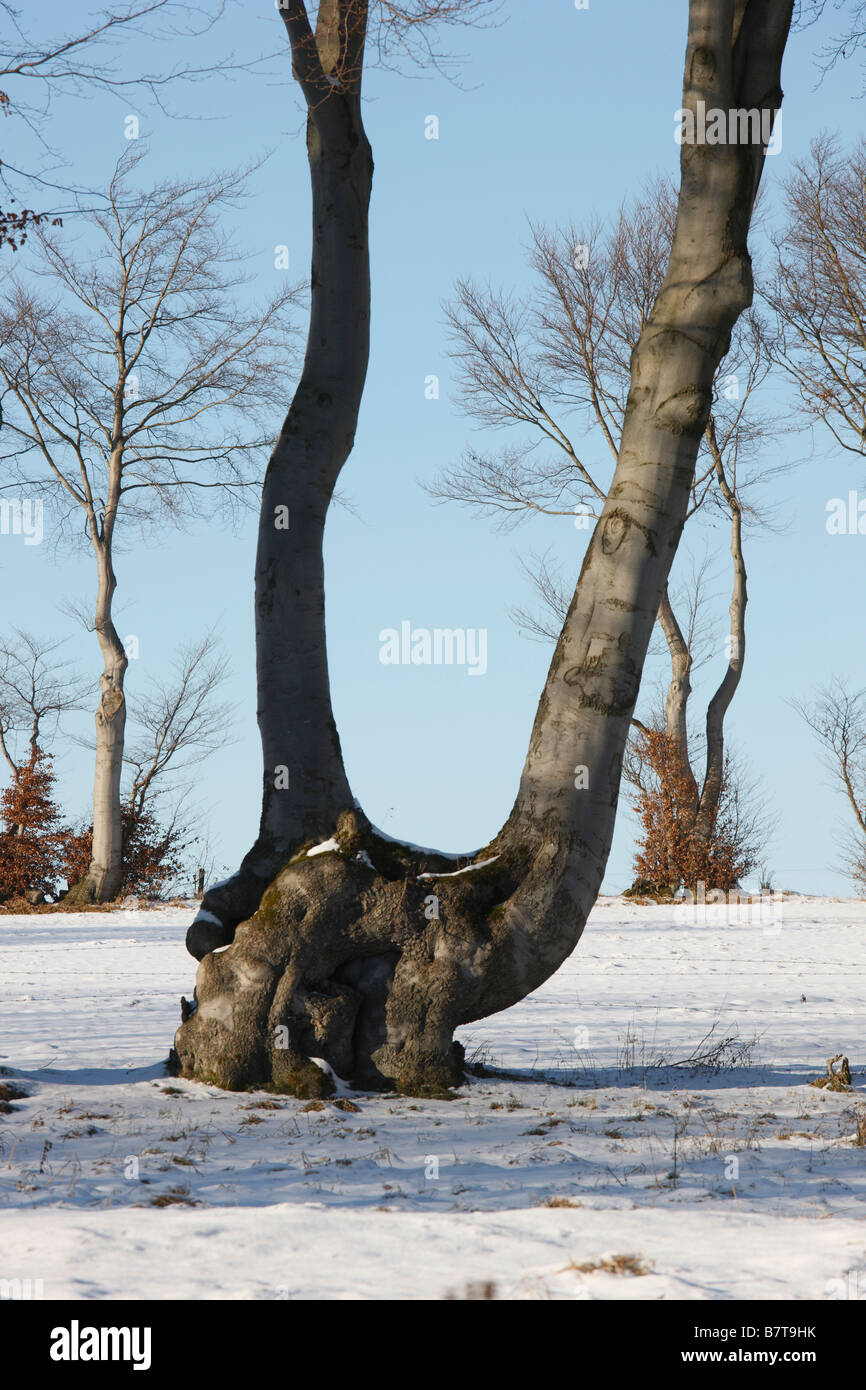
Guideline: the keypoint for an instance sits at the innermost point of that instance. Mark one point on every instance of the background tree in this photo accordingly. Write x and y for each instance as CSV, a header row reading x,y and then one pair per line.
x,y
133,396
33,843
818,292
669,854
36,689
837,718
177,723
154,854
354,957
818,289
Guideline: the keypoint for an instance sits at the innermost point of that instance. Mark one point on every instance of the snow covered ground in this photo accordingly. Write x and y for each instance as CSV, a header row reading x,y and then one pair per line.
x,y
603,1139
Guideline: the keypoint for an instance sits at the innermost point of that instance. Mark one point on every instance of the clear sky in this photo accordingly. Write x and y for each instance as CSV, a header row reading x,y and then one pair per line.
x,y
558,115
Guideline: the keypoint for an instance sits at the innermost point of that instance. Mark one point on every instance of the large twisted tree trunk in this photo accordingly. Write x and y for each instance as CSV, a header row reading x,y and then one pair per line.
x,y
369,954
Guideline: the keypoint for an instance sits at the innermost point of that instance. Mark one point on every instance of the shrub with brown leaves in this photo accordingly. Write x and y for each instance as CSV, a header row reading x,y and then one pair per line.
x,y
669,855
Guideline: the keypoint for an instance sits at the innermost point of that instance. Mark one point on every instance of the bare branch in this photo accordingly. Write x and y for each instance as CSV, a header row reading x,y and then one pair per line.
x,y
818,290
36,690
179,722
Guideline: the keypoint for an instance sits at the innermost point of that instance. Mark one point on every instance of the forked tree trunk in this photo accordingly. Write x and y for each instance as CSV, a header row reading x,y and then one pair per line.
x,y
714,773
370,954
699,812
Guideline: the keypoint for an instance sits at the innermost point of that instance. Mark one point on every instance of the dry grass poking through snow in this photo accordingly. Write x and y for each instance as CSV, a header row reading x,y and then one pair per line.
x,y
652,1097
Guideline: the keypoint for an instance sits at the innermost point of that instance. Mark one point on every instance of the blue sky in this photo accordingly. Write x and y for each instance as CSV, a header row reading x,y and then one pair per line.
x,y
558,115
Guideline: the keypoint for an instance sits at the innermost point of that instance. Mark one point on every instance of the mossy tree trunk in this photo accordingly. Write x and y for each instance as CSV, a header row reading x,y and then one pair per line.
x,y
368,955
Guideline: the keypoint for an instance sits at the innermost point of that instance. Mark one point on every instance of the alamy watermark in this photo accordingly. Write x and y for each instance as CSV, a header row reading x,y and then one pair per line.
x,y
738,126
846,517
22,516
77,1343
852,1286
18,1289
439,646
735,908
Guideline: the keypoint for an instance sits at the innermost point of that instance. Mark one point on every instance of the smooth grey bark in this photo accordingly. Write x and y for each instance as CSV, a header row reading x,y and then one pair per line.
x,y
679,688
106,866
104,876
714,773
304,786
352,956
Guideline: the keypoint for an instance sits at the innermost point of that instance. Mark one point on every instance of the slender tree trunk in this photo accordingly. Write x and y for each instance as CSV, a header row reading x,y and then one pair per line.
x,y
679,689
677,729
368,956
15,770
104,877
714,774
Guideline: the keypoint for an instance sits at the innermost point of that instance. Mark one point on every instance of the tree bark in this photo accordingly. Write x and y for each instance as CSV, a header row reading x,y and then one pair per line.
x,y
104,877
304,784
714,773
679,689
369,954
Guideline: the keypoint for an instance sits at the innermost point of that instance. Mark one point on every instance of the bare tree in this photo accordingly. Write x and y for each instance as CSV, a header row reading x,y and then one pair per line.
x,y
369,953
135,395
818,290
837,718
36,690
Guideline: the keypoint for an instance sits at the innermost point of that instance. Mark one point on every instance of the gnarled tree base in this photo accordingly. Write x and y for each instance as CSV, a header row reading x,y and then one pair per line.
x,y
353,959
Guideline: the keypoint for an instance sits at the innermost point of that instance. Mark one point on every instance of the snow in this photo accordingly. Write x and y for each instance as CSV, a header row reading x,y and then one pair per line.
x,y
324,848
470,868
418,849
743,1182
220,883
